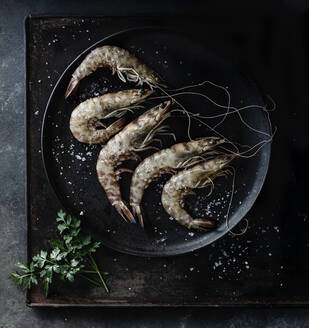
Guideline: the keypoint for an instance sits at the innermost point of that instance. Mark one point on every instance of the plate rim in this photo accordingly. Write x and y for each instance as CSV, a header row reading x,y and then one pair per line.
x,y
162,252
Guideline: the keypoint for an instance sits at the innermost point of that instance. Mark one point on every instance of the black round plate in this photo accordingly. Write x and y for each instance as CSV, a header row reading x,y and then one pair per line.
x,y
71,166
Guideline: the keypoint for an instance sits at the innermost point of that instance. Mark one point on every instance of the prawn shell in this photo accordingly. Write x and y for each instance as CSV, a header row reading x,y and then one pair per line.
x,y
84,121
166,161
122,147
183,183
119,60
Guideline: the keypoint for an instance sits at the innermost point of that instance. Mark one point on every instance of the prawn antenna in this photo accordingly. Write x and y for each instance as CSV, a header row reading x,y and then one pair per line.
x,y
232,170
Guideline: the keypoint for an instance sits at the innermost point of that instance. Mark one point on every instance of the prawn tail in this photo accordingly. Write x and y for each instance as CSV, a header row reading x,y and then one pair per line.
x,y
116,126
138,213
203,224
125,213
72,88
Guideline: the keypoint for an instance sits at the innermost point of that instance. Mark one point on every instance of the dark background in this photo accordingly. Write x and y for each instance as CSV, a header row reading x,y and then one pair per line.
x,y
285,30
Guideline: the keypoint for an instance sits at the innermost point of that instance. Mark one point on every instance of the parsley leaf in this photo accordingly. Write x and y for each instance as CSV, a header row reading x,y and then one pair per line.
x,y
68,257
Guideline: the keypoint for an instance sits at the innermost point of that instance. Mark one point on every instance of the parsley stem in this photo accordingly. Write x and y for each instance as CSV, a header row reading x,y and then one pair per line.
x,y
25,275
90,280
99,273
94,271
45,259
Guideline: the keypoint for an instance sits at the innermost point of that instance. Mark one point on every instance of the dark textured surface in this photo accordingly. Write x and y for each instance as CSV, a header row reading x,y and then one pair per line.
x,y
71,165
286,72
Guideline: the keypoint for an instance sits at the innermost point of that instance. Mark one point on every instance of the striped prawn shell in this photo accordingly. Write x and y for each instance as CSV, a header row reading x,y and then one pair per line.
x,y
120,61
165,161
85,118
122,147
184,182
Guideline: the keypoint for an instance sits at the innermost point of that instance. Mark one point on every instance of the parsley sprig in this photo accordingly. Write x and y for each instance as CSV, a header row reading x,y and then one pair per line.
x,y
70,256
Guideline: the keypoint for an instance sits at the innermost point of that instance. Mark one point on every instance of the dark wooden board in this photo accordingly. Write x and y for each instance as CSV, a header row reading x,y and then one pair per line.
x,y
262,267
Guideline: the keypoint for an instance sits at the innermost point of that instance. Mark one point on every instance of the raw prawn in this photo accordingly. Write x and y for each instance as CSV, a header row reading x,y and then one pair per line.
x,y
180,155
183,183
120,61
85,119
135,137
